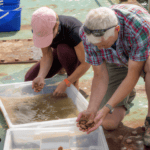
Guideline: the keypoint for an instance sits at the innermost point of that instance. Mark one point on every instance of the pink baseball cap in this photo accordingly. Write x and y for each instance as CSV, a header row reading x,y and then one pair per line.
x,y
43,22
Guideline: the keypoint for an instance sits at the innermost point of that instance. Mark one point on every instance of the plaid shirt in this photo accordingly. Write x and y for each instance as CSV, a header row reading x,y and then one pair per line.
x,y
133,40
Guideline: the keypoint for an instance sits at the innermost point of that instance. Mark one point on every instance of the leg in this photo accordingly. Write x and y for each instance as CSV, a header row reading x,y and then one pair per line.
x,y
68,59
112,121
34,70
116,76
147,82
147,88
61,72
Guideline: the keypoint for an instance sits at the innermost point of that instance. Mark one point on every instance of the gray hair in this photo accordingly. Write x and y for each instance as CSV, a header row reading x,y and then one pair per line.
x,y
101,18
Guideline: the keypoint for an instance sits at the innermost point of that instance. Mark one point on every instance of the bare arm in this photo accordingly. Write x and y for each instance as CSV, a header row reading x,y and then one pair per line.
x,y
99,86
45,65
83,67
134,72
45,62
79,71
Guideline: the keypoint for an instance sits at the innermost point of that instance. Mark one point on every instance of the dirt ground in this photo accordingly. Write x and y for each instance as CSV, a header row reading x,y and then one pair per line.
x,y
85,88
19,51
117,139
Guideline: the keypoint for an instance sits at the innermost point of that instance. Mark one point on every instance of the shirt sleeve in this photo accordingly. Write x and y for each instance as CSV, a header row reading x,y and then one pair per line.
x,y
140,44
91,56
74,37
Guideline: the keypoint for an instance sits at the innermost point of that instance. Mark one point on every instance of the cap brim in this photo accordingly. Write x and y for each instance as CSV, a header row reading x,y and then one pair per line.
x,y
42,42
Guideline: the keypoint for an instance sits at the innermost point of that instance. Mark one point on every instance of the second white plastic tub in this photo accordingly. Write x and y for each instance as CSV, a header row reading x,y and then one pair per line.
x,y
70,138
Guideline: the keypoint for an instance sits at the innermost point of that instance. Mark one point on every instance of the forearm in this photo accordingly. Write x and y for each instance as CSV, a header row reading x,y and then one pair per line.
x,y
45,62
80,70
123,90
45,65
98,91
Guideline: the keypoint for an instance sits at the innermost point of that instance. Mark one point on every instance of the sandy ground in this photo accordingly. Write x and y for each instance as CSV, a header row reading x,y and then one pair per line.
x,y
19,51
85,88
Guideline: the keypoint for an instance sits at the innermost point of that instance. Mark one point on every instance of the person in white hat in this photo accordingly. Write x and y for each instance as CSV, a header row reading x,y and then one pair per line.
x,y
118,36
58,37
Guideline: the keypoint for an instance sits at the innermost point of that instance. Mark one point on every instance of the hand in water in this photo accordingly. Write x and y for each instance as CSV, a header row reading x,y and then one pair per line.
x,y
60,90
38,84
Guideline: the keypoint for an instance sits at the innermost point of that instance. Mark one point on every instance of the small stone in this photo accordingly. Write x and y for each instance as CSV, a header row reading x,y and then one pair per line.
x,y
123,148
30,58
120,137
82,122
140,144
90,122
129,141
60,148
134,132
2,60
82,126
29,39
4,40
16,59
16,39
138,137
92,125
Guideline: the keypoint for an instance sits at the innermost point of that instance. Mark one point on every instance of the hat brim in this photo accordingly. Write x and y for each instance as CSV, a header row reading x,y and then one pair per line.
x,y
42,42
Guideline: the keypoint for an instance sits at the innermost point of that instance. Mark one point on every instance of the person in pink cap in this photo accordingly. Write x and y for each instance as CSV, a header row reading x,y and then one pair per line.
x,y
58,37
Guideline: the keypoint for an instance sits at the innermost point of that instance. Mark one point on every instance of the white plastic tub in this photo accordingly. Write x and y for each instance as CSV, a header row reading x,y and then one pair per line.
x,y
52,138
25,89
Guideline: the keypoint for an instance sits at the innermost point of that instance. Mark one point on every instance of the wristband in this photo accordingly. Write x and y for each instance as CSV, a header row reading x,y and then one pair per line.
x,y
110,107
68,83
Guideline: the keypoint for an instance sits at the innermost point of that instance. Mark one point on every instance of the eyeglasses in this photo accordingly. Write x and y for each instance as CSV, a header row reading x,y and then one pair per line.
x,y
96,33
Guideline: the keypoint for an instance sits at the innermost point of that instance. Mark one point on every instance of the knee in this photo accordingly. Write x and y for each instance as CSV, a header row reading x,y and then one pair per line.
x,y
109,125
27,77
62,49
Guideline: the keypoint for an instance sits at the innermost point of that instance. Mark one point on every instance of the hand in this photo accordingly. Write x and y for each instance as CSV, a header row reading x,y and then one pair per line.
x,y
60,90
85,119
100,116
38,84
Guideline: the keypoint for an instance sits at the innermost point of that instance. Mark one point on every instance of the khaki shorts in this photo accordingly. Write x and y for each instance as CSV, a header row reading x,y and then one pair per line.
x,y
116,76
